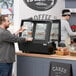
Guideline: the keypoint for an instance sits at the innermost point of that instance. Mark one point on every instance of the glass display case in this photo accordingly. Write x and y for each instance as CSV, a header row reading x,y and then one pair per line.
x,y
44,33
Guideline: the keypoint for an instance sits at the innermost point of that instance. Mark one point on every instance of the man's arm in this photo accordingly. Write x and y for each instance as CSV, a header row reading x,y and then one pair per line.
x,y
71,33
7,36
20,30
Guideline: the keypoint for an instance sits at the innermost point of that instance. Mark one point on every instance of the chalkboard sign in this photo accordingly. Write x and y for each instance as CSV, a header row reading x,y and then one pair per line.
x,y
60,69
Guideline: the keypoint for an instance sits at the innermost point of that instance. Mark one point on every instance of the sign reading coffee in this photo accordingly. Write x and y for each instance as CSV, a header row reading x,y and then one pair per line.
x,y
40,5
38,9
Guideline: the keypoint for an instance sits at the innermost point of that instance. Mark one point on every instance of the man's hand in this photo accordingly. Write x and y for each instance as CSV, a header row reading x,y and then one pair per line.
x,y
28,39
20,30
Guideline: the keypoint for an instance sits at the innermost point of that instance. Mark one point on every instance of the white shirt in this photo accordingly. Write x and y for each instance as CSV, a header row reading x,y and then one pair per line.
x,y
66,31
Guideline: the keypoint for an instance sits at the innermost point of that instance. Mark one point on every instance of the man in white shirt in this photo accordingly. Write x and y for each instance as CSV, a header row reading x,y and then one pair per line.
x,y
66,31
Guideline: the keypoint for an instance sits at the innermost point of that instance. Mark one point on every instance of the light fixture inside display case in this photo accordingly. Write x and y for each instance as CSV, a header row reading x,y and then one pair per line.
x,y
45,35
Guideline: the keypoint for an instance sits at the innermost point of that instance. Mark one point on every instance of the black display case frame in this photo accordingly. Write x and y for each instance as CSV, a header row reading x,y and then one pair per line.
x,y
42,46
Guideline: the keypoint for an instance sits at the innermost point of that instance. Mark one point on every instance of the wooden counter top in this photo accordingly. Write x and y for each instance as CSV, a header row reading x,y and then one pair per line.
x,y
67,57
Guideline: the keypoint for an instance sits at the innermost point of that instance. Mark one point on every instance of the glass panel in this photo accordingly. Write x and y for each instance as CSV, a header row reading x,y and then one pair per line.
x,y
54,31
40,31
28,29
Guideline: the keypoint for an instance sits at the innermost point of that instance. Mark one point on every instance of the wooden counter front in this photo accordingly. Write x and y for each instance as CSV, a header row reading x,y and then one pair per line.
x,y
67,57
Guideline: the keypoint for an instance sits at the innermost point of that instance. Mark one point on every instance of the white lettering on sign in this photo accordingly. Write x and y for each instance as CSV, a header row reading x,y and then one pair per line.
x,y
59,69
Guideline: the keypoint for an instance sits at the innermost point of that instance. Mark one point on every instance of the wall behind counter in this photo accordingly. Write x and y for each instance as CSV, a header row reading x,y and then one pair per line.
x,y
72,5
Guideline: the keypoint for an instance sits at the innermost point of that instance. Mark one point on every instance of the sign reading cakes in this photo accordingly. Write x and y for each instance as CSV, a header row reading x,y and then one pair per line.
x,y
60,69
40,5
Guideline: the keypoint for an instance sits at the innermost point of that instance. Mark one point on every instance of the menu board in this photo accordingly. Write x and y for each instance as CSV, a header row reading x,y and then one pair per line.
x,y
40,31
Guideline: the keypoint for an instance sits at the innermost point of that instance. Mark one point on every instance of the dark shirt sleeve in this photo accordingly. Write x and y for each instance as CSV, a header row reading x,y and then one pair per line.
x,y
8,37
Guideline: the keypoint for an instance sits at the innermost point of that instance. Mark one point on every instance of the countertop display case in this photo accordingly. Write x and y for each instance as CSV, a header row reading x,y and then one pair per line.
x,y
46,36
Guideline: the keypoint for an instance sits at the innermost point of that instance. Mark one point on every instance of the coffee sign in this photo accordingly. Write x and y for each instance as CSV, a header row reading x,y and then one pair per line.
x,y
40,5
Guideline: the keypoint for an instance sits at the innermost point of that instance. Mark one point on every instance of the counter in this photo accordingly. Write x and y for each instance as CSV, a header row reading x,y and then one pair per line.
x,y
39,64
